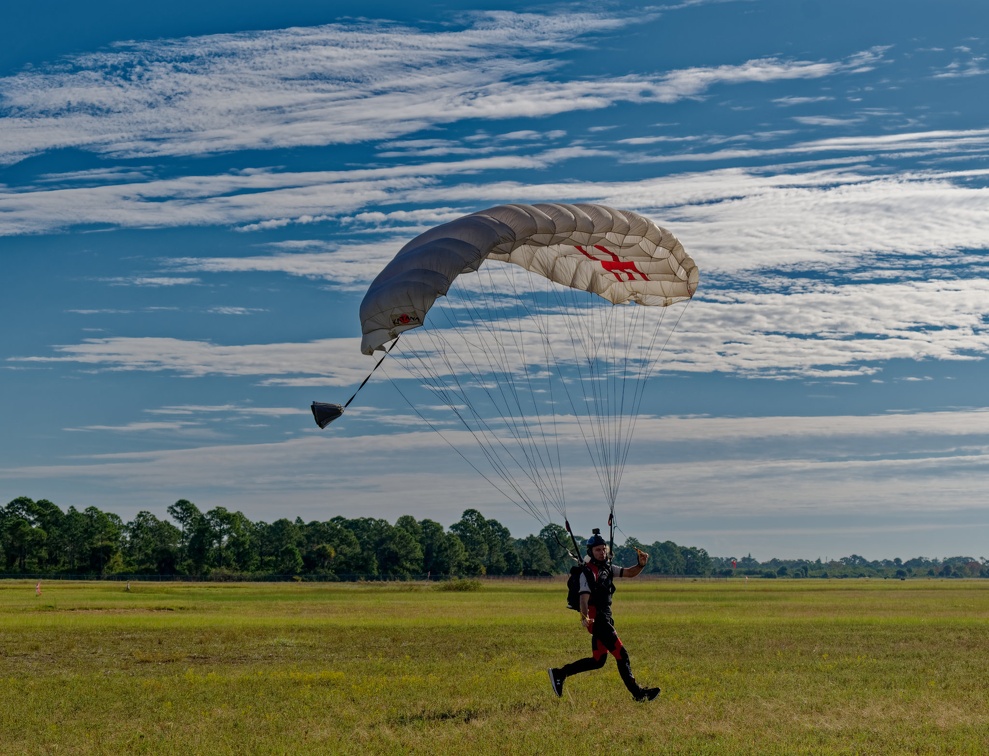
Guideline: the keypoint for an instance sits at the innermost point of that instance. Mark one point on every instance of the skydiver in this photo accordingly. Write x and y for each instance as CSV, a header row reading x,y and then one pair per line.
x,y
596,587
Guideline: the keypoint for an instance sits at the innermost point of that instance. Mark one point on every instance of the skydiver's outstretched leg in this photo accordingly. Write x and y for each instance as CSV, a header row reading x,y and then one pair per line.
x,y
596,661
609,640
625,670
599,655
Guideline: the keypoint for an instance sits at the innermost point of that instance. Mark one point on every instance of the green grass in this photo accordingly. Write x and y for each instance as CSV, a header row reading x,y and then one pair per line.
x,y
764,667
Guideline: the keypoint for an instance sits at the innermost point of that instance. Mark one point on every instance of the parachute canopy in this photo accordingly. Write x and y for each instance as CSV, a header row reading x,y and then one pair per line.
x,y
615,254
541,352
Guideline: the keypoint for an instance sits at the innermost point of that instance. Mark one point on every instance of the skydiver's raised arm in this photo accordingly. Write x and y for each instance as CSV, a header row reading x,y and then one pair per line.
x,y
631,572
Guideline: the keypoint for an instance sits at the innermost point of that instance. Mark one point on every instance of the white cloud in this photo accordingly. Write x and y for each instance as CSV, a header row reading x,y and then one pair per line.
x,y
349,266
265,199
151,281
227,310
137,427
966,63
794,100
826,120
337,84
225,410
326,362
913,144
826,331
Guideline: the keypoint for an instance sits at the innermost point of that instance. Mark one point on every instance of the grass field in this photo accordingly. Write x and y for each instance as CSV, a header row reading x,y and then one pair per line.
x,y
763,667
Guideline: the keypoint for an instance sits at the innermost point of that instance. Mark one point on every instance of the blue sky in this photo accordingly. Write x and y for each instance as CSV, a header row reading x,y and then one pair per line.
x,y
193,201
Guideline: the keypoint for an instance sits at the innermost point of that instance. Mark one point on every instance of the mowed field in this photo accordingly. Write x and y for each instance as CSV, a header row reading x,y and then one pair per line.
x,y
757,667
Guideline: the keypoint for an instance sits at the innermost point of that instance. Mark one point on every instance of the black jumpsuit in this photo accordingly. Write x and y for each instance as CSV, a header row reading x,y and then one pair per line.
x,y
599,583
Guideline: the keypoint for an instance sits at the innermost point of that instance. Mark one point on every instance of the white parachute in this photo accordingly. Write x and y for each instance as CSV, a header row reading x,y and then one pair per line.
x,y
552,349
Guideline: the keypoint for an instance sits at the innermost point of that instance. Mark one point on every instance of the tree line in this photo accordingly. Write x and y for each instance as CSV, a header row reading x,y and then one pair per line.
x,y
38,537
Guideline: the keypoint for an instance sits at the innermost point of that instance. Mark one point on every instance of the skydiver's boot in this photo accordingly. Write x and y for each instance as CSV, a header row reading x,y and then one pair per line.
x,y
625,670
647,694
556,678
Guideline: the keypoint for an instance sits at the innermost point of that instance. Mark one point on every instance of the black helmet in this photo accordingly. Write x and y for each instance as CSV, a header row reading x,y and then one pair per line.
x,y
596,539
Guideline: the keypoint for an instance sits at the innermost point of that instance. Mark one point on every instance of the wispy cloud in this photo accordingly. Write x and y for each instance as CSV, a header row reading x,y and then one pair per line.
x,y
196,424
337,84
965,63
228,310
928,144
827,120
308,363
347,266
825,331
947,201
256,198
151,281
225,410
795,100
137,427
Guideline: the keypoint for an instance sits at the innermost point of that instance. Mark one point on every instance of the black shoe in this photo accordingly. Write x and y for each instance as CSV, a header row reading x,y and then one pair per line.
x,y
556,680
646,694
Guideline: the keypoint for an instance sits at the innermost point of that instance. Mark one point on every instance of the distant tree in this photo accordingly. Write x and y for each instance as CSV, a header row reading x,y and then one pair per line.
x,y
350,555
409,524
197,537
102,533
279,547
471,530
442,552
395,551
50,519
288,560
503,559
21,539
695,560
21,542
37,536
151,546
399,554
534,557
667,559
233,545
489,545
559,546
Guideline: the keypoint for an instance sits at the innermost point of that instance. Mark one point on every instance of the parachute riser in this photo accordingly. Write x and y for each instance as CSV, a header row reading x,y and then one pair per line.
x,y
324,414
573,538
611,537
387,352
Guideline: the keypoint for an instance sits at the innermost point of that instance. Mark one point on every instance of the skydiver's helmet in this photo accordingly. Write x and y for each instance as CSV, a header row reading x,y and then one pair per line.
x,y
596,539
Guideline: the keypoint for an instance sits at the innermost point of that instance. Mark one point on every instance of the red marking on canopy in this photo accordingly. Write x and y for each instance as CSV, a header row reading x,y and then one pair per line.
x,y
616,266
